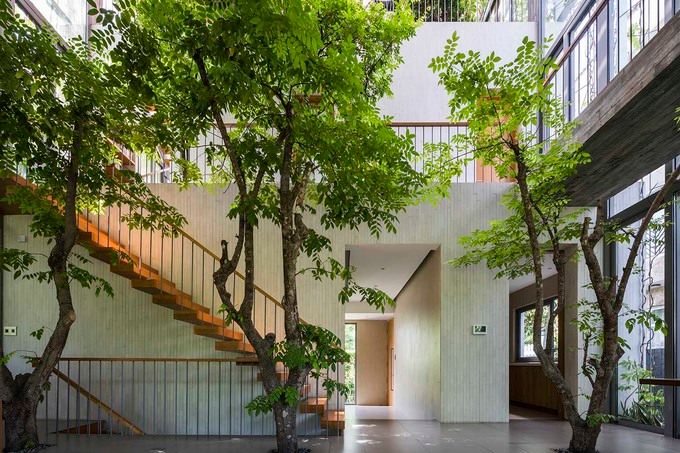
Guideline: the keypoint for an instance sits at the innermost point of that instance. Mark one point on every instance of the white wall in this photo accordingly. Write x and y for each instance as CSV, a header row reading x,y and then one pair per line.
x,y
417,95
474,374
474,369
417,348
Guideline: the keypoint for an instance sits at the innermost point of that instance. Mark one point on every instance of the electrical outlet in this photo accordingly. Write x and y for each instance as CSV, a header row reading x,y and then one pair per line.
x,y
11,331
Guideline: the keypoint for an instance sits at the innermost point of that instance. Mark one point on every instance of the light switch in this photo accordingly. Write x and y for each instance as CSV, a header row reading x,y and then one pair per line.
x,y
10,331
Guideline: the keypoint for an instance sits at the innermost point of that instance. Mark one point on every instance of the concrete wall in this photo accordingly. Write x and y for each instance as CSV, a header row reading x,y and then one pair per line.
x,y
131,326
127,326
469,296
417,390
371,365
417,95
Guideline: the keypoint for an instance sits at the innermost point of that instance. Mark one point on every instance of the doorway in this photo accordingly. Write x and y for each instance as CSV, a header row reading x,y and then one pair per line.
x,y
351,366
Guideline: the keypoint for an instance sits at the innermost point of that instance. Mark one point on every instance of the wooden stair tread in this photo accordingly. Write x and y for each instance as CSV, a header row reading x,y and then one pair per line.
x,y
154,286
198,317
178,302
247,361
109,255
333,415
133,272
313,405
234,346
218,333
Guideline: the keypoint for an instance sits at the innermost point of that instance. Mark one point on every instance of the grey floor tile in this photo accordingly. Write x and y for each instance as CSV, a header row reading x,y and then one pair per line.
x,y
391,436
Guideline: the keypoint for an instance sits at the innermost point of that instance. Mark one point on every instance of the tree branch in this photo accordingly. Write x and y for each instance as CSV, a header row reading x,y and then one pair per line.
x,y
632,255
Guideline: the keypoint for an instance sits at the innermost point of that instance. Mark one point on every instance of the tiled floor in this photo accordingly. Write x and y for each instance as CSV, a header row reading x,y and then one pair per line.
x,y
394,436
523,413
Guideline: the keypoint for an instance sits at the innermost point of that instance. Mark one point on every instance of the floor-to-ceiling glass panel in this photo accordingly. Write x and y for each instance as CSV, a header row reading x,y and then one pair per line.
x,y
350,367
645,356
637,191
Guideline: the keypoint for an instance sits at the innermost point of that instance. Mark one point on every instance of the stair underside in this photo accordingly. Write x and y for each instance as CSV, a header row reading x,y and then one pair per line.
x,y
234,346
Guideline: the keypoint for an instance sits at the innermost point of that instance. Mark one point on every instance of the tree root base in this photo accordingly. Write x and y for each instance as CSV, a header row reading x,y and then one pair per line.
x,y
562,450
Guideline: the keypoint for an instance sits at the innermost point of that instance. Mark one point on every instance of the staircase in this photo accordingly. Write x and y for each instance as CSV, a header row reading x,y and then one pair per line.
x,y
177,272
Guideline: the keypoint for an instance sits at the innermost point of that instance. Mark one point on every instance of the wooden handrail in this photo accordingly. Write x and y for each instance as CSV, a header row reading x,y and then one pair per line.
x,y
670,382
237,273
209,252
105,407
158,360
22,181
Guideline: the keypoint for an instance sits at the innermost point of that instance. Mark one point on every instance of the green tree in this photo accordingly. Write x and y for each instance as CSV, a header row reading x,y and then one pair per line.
x,y
501,103
61,104
302,79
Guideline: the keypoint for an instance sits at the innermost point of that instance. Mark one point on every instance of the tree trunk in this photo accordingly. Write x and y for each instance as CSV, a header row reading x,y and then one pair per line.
x,y
584,438
286,428
21,430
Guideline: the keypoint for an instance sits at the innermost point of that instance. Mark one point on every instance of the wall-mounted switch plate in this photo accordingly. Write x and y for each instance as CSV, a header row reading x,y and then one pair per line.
x,y
478,329
11,331
21,238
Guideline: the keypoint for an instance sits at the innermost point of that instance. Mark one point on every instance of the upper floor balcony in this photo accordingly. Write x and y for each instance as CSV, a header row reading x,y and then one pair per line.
x,y
618,72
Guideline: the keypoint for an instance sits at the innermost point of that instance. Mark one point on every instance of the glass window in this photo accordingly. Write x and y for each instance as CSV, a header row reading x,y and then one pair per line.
x,y
67,17
637,191
645,357
556,14
350,367
525,331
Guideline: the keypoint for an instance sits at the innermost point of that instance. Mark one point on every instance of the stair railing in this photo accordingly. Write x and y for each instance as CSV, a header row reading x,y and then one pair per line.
x,y
165,396
177,270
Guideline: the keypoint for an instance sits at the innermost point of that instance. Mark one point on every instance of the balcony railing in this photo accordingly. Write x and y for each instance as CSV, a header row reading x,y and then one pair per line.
x,y
156,170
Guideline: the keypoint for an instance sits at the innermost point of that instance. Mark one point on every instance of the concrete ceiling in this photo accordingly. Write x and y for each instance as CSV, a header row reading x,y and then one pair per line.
x,y
523,282
386,267
368,316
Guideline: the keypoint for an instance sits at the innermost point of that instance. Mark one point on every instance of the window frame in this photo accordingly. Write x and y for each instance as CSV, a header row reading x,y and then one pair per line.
x,y
551,303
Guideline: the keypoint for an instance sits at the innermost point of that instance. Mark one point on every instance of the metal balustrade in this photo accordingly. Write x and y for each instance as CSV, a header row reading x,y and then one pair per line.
x,y
438,10
155,171
171,396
